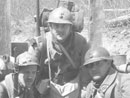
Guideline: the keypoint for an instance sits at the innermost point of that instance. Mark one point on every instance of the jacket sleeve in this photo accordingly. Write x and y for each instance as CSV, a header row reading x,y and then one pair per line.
x,y
85,47
3,92
85,78
125,86
41,52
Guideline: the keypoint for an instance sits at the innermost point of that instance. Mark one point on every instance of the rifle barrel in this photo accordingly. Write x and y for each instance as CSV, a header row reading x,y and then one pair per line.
x,y
37,19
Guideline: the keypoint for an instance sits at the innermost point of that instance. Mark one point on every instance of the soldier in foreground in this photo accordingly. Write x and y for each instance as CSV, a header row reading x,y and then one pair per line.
x,y
27,69
106,81
61,55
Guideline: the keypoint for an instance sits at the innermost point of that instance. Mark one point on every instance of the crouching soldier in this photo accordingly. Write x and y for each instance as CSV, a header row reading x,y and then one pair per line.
x,y
27,65
2,69
106,81
6,66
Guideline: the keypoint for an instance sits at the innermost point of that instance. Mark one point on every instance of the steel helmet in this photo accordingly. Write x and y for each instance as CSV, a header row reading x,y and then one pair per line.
x,y
96,54
26,59
60,15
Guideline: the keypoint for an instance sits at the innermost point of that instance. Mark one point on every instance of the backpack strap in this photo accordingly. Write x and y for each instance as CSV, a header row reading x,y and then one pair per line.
x,y
68,56
118,88
114,90
108,84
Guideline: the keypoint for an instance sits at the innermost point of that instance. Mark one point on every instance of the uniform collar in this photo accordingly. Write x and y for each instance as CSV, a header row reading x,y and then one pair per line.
x,y
109,80
54,48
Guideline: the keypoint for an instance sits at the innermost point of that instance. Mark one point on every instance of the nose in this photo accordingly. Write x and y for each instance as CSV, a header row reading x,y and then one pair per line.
x,y
59,28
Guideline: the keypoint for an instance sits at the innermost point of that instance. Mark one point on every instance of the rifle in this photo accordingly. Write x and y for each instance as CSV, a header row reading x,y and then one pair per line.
x,y
37,19
15,76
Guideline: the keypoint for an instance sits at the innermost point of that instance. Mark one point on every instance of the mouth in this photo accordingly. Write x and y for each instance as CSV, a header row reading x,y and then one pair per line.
x,y
94,74
29,81
59,34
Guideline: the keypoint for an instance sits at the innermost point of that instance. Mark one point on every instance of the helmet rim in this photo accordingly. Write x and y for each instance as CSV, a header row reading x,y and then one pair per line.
x,y
96,54
96,60
27,59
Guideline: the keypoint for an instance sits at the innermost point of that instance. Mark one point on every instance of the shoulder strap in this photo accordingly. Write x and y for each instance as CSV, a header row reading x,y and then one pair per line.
x,y
68,56
118,88
110,92
114,90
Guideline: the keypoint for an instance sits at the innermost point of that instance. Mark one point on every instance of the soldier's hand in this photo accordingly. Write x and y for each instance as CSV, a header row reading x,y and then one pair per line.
x,y
32,42
43,87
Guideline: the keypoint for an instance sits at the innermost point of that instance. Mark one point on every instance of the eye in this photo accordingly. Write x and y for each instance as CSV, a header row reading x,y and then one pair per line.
x,y
55,25
26,72
63,25
89,65
34,72
98,63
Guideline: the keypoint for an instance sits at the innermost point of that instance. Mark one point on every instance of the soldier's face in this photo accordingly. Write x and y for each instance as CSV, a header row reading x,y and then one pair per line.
x,y
60,31
98,70
27,75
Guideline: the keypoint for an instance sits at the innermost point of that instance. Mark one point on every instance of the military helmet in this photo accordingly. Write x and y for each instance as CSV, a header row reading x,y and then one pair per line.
x,y
96,54
60,15
26,59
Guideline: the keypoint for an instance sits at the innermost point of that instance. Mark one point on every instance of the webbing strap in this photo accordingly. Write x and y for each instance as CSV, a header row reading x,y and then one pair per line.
x,y
49,65
67,55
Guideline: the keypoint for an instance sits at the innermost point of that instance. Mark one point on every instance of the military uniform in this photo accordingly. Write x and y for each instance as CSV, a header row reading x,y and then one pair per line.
x,y
64,77
67,73
106,81
3,69
115,85
7,89
12,87
6,66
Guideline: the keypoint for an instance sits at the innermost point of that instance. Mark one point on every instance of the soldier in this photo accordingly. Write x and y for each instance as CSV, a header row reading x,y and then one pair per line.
x,y
62,51
27,69
2,69
6,66
106,82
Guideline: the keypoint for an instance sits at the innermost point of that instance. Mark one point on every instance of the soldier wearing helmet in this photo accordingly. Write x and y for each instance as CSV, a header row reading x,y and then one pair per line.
x,y
27,66
106,81
60,22
62,51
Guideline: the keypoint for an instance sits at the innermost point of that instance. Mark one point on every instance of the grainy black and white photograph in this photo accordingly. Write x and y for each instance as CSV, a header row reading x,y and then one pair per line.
x,y
64,48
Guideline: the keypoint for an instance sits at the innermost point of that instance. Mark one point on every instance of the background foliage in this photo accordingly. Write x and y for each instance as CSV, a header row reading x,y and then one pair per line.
x,y
116,40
